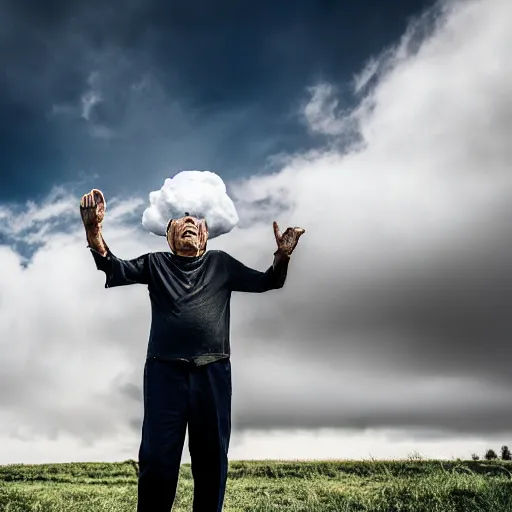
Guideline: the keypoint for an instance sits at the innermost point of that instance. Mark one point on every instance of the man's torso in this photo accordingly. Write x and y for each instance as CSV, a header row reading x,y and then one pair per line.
x,y
190,303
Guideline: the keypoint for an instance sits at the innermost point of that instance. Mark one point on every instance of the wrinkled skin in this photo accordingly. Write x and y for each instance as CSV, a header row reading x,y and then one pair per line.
x,y
92,211
187,236
92,208
287,241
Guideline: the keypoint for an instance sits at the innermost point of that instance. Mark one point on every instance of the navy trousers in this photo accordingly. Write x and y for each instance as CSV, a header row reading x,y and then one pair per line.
x,y
177,394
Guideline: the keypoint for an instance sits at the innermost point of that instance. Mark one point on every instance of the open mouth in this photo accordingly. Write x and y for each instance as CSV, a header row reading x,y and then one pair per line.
x,y
189,233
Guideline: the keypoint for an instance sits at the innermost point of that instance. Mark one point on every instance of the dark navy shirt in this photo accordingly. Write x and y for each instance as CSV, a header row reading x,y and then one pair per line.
x,y
190,298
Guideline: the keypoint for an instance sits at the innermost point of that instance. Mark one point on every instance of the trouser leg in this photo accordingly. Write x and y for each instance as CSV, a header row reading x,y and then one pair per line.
x,y
209,432
166,391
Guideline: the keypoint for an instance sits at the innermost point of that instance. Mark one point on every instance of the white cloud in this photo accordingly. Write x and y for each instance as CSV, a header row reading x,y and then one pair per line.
x,y
322,112
200,193
385,223
89,99
363,78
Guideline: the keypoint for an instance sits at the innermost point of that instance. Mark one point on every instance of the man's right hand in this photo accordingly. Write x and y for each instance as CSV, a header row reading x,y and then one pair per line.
x,y
92,209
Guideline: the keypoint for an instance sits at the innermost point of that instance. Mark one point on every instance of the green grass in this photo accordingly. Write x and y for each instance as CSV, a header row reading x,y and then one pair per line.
x,y
346,486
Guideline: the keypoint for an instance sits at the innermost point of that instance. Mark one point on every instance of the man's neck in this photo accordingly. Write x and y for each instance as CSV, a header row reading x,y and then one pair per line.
x,y
187,256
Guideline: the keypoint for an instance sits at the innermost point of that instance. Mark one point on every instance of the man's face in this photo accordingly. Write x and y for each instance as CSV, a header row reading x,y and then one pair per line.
x,y
187,236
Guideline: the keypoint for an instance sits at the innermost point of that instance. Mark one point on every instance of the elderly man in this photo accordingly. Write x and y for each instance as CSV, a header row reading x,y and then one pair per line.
x,y
187,374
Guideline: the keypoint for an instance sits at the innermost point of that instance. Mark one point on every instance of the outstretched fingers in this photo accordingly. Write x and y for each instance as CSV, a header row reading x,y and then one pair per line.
x,y
277,233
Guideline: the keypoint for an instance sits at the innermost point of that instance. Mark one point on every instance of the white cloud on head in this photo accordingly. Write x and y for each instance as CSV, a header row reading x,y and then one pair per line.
x,y
200,193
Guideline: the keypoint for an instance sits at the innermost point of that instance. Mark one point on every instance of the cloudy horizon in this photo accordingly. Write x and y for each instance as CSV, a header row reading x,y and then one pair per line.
x,y
390,336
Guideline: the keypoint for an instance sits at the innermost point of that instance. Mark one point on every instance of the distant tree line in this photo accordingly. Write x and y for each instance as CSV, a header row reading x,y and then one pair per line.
x,y
492,455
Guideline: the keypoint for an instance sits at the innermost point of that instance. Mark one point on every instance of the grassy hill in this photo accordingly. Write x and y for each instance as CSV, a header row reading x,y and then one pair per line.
x,y
345,486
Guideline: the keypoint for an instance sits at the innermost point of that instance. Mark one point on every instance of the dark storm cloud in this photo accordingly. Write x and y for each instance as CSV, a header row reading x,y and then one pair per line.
x,y
201,85
423,424
449,311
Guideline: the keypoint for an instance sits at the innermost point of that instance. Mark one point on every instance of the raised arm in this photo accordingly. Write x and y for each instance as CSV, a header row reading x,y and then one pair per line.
x,y
92,211
118,272
245,279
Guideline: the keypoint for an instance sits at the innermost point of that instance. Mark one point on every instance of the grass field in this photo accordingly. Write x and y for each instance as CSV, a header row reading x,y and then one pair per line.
x,y
377,486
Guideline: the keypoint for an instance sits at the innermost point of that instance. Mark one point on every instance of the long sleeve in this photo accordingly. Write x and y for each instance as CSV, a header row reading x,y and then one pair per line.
x,y
122,272
244,279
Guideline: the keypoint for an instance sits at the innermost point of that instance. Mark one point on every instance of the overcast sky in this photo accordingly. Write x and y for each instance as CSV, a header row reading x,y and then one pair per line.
x,y
383,130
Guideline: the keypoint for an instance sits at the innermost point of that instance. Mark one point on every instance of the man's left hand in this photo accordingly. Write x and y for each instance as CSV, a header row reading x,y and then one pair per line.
x,y
287,241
